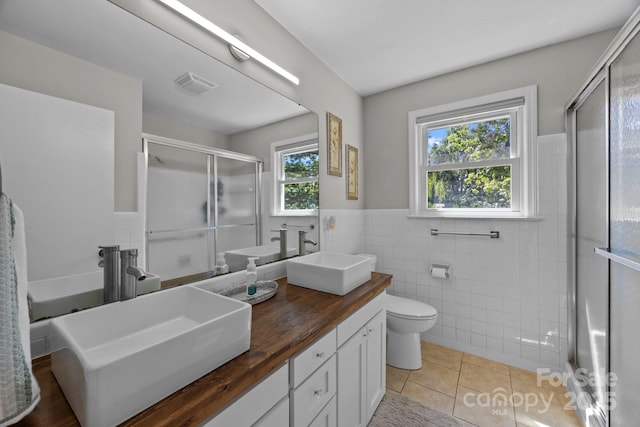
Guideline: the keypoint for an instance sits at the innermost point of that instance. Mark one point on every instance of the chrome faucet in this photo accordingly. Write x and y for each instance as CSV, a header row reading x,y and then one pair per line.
x,y
111,275
283,240
130,274
302,241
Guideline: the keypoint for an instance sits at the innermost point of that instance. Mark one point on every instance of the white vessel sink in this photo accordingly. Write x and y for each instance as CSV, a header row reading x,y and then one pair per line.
x,y
116,360
330,272
64,295
237,259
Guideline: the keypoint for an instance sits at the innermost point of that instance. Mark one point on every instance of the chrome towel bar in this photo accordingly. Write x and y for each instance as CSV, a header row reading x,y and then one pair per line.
x,y
491,234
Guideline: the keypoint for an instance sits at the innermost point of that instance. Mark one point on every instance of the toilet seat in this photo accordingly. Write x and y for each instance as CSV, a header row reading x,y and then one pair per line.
x,y
405,308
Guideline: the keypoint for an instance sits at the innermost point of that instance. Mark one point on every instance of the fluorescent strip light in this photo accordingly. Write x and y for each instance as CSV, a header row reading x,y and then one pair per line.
x,y
219,32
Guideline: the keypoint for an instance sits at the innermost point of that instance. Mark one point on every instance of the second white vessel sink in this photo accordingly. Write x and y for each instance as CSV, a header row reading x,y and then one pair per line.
x,y
116,360
330,272
64,295
237,259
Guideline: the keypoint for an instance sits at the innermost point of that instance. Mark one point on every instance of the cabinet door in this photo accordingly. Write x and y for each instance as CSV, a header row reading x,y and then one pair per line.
x,y
352,393
376,373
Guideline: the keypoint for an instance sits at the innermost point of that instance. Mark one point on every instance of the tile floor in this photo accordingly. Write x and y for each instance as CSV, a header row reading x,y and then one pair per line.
x,y
482,392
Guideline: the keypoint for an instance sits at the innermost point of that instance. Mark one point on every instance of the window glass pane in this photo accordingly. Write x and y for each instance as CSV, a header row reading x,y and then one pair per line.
x,y
469,142
477,188
301,165
303,195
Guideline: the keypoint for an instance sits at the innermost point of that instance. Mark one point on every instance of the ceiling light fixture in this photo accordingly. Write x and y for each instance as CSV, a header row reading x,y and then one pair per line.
x,y
219,32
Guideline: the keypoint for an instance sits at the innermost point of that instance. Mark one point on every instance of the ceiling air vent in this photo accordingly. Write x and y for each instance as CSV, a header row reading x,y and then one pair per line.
x,y
195,84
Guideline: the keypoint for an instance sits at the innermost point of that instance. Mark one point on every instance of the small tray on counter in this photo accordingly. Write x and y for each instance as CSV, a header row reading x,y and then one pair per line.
x,y
265,289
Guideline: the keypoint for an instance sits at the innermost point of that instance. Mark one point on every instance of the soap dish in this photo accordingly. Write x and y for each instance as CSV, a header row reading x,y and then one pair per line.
x,y
265,289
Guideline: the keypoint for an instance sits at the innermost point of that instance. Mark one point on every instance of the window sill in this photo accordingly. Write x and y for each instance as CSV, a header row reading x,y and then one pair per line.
x,y
313,213
476,216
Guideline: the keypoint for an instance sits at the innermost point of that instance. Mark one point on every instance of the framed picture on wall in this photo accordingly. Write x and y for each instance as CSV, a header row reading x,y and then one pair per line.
x,y
352,172
334,145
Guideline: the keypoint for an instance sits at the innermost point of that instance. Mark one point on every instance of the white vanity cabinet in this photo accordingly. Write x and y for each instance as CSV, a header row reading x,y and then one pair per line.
x,y
337,381
361,364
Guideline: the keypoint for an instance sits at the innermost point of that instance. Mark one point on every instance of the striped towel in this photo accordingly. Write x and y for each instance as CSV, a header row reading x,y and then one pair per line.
x,y
19,391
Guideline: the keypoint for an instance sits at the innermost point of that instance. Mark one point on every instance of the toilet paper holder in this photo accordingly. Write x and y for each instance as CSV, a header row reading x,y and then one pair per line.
x,y
440,271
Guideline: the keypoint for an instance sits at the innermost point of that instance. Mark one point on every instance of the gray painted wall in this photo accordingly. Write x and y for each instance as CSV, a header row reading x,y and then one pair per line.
x,y
257,142
558,71
183,132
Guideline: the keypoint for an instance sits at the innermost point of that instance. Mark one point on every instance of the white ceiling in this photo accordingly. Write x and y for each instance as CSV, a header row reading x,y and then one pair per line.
x,y
375,45
104,34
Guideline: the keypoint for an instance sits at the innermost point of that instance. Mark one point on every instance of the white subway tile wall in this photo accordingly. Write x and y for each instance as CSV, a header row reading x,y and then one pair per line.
x,y
348,234
129,233
506,298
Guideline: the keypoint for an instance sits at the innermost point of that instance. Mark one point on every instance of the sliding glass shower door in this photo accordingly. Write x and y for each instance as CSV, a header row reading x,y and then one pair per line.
x,y
604,122
591,308
200,201
624,234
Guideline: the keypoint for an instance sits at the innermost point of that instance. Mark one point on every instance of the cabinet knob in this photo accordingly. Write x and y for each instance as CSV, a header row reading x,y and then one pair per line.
x,y
370,331
320,354
319,393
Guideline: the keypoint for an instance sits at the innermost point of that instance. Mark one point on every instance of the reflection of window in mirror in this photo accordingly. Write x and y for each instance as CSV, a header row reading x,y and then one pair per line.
x,y
295,176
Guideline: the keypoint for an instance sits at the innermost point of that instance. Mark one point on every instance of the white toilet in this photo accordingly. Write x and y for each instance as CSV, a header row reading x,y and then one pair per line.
x,y
406,319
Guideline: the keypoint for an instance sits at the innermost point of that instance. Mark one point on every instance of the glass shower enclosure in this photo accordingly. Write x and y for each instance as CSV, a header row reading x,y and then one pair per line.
x,y
603,121
200,201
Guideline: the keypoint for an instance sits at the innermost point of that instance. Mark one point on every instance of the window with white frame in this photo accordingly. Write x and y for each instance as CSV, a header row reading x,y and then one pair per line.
x,y
475,157
295,176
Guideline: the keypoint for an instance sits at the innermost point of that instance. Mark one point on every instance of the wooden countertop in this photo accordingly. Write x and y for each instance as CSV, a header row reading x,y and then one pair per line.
x,y
280,327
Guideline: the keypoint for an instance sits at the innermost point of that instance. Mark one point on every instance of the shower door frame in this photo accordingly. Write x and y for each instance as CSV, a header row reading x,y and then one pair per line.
x,y
574,385
212,154
600,73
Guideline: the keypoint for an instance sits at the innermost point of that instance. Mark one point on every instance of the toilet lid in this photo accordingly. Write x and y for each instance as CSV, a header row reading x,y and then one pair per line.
x,y
409,308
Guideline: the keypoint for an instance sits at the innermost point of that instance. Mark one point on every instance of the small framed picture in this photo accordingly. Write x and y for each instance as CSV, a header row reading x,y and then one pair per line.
x,y
334,145
352,172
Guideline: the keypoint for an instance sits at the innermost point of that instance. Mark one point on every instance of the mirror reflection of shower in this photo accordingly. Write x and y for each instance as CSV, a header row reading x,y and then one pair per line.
x,y
201,202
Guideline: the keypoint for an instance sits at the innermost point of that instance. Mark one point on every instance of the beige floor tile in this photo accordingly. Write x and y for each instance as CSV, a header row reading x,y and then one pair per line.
x,y
428,397
485,363
526,381
536,410
523,380
484,379
436,377
484,409
396,378
441,355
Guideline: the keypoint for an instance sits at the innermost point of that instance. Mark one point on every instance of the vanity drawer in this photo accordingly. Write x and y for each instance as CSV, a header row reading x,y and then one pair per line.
x,y
314,394
328,417
312,357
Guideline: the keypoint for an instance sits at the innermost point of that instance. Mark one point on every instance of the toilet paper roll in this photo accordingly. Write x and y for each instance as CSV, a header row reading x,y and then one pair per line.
x,y
440,272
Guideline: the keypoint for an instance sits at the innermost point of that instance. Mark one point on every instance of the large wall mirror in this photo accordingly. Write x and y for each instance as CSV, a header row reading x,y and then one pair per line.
x,y
236,115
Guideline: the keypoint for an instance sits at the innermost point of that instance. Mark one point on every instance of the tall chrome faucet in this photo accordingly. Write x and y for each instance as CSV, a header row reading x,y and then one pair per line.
x,y
283,240
121,273
130,274
111,274
302,242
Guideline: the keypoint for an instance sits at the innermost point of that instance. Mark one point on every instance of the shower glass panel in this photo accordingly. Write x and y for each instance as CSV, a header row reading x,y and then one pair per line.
x,y
625,231
237,222
591,270
177,230
178,190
